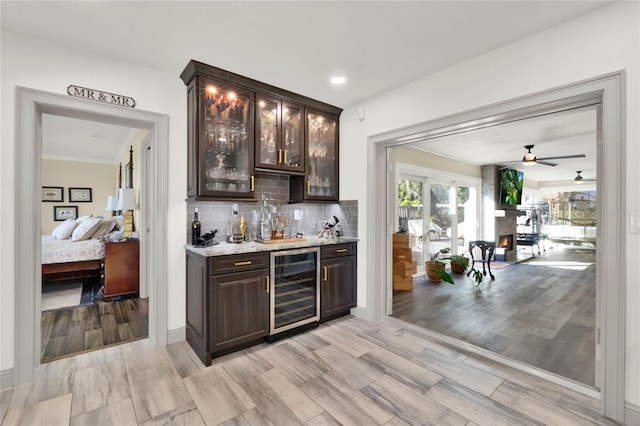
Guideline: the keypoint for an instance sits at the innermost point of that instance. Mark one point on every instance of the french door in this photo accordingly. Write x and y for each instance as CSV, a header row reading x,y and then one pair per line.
x,y
438,213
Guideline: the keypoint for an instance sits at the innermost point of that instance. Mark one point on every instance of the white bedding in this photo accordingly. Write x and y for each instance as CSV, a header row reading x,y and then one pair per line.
x,y
61,251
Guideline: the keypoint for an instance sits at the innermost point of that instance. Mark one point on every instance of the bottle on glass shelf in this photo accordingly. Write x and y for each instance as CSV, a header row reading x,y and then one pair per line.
x,y
195,228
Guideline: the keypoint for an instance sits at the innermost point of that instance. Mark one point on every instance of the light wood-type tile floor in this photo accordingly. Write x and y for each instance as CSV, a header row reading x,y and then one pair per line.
x,y
348,371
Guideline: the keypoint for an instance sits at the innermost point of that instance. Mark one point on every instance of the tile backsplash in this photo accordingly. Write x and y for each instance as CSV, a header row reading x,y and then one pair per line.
x,y
275,190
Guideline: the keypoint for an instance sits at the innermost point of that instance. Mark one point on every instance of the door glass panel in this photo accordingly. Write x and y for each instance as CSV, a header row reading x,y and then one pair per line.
x,y
226,118
267,128
440,215
322,155
410,214
467,218
292,124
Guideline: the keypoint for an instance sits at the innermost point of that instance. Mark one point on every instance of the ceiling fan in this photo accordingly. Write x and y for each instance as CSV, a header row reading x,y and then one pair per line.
x,y
530,158
579,179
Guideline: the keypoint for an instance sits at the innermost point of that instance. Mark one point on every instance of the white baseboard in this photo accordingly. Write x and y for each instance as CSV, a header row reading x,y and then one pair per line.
x,y
360,313
6,378
176,335
631,414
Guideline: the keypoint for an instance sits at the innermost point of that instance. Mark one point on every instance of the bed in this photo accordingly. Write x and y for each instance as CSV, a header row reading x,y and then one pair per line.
x,y
67,260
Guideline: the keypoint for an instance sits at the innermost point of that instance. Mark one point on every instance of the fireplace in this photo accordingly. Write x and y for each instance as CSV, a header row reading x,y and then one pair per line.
x,y
505,242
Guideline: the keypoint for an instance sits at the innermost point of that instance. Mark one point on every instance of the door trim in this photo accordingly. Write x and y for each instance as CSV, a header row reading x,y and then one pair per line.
x,y
608,90
30,105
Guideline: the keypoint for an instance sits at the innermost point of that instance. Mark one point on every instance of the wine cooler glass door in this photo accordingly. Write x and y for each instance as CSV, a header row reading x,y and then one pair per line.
x,y
295,297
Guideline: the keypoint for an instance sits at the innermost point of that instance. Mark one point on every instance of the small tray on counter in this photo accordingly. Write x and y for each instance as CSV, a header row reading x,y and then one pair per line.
x,y
281,240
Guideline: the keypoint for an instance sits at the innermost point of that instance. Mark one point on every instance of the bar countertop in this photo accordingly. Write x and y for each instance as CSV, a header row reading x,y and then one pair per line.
x,y
224,249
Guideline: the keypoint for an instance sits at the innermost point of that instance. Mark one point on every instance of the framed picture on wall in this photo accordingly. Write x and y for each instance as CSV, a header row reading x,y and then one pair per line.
x,y
79,195
53,194
62,213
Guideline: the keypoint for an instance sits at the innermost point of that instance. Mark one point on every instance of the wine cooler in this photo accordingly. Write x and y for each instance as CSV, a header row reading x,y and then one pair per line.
x,y
295,293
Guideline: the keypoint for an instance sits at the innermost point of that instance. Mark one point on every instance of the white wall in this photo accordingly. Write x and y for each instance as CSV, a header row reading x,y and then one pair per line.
x,y
604,41
40,65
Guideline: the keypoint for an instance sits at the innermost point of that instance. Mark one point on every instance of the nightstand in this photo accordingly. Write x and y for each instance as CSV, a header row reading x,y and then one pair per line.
x,y
121,269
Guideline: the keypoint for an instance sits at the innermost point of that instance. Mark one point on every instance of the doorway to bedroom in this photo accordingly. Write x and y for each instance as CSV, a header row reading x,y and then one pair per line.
x,y
92,295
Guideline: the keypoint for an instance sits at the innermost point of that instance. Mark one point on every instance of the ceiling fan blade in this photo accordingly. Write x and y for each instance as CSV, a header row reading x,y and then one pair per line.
x,y
562,156
546,163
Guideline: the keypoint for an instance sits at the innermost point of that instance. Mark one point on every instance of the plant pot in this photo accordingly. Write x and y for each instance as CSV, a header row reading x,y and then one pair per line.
x,y
432,269
456,268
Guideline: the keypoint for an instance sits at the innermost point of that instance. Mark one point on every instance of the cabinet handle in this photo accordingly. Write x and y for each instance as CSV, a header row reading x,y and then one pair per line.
x,y
308,187
285,156
253,183
341,250
245,263
326,273
279,156
266,287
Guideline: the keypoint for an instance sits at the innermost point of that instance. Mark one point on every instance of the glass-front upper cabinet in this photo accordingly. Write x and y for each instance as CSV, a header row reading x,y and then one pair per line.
x,y
279,135
225,130
321,180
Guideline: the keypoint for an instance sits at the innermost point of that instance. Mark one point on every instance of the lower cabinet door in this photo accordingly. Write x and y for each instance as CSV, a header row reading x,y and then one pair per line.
x,y
337,286
239,308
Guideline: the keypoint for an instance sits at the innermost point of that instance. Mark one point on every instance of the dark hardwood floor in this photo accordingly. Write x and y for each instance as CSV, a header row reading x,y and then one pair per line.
x,y
541,311
78,329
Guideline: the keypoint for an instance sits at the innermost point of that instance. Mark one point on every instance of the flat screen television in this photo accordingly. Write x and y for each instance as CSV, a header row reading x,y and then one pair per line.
x,y
511,181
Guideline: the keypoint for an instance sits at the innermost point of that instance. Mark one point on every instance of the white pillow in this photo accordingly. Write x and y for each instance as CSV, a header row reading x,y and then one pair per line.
x,y
85,229
64,230
106,225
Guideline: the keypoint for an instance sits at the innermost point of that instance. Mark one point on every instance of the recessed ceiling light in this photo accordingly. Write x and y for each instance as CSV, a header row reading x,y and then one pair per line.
x,y
338,79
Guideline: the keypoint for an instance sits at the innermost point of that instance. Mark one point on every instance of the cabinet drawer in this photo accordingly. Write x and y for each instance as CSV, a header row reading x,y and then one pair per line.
x,y
335,250
238,263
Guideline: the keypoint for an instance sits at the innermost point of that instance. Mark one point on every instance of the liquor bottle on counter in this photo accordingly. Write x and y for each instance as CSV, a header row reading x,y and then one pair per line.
x,y
195,228
233,225
265,228
242,228
277,231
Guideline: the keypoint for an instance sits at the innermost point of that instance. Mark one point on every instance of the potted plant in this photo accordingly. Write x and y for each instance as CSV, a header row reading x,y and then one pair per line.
x,y
476,275
459,264
435,267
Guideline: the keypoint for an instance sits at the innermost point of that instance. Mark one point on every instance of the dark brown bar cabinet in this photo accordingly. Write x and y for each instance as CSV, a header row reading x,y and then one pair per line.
x,y
338,280
237,126
227,302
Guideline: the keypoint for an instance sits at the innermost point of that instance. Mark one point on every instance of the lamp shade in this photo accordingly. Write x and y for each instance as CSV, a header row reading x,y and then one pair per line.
x,y
126,199
112,203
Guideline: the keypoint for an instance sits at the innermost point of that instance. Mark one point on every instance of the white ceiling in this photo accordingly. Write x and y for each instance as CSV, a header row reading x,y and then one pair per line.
x,y
298,45
74,139
567,133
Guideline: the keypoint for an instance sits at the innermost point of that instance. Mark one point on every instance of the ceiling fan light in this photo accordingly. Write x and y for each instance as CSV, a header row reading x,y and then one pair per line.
x,y
529,159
